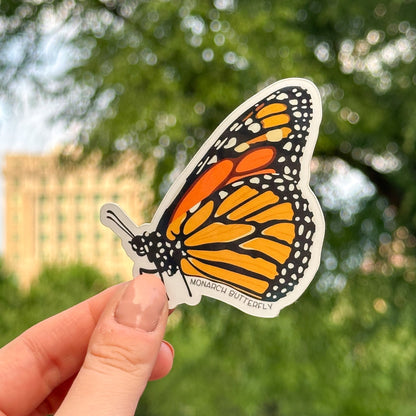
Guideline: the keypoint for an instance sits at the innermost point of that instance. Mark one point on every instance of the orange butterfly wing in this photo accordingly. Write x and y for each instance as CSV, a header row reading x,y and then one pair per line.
x,y
247,239
243,236
224,172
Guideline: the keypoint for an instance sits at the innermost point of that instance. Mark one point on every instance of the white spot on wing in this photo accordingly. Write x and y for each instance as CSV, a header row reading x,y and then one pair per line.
x,y
214,159
254,127
221,144
282,96
202,165
195,207
237,184
231,143
288,146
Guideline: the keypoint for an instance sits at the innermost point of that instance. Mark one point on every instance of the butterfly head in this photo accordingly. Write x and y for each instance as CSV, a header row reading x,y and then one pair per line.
x,y
139,245
115,218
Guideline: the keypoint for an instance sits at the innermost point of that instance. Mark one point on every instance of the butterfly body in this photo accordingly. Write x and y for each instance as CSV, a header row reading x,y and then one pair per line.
x,y
157,250
241,218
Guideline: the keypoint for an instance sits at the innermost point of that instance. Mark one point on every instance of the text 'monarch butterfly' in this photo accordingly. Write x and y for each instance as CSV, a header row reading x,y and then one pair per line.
x,y
240,224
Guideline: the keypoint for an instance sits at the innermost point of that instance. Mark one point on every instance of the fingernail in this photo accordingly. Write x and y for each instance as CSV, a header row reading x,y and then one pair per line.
x,y
141,303
169,345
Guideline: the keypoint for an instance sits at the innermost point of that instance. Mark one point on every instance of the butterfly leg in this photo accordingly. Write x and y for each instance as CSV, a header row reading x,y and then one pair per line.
x,y
186,284
142,270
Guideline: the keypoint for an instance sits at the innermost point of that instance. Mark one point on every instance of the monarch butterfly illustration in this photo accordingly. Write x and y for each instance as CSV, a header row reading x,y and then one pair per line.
x,y
240,224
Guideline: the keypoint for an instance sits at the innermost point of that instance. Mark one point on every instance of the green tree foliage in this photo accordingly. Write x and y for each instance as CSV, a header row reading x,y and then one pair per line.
x,y
324,355
158,76
10,302
57,289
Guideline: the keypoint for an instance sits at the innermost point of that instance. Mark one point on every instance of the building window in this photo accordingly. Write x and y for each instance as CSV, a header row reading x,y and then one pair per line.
x,y
43,199
16,199
42,217
43,237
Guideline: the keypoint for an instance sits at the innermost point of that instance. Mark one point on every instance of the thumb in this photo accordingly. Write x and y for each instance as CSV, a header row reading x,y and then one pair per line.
x,y
122,352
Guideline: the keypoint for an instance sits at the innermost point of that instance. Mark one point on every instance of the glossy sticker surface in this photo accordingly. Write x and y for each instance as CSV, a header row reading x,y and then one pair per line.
x,y
240,224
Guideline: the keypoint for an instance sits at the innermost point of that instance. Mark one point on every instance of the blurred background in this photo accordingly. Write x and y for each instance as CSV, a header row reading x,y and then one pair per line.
x,y
92,89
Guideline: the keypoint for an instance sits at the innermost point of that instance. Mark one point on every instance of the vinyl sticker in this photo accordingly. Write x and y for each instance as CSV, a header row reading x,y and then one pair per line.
x,y
240,224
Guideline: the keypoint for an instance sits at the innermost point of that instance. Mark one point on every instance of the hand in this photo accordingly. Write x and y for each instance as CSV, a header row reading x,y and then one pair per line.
x,y
92,359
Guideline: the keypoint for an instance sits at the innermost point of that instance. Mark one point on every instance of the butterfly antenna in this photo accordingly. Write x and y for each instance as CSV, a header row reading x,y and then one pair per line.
x,y
113,217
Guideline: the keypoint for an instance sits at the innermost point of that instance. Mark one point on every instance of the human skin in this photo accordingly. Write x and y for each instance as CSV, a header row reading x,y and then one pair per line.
x,y
94,358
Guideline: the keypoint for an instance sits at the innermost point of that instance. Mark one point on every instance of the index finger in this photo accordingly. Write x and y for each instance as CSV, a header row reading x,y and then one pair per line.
x,y
47,354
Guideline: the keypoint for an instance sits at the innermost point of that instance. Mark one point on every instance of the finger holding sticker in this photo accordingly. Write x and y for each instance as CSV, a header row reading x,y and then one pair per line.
x,y
240,224
94,358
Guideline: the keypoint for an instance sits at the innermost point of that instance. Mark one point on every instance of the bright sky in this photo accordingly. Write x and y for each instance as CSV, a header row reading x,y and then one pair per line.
x,y
25,128
25,125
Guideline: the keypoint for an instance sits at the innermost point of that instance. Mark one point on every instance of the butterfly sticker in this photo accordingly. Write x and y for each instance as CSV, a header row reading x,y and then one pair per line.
x,y
240,224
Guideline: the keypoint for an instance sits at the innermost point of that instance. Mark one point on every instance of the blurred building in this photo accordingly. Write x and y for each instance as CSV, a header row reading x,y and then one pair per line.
x,y
52,213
